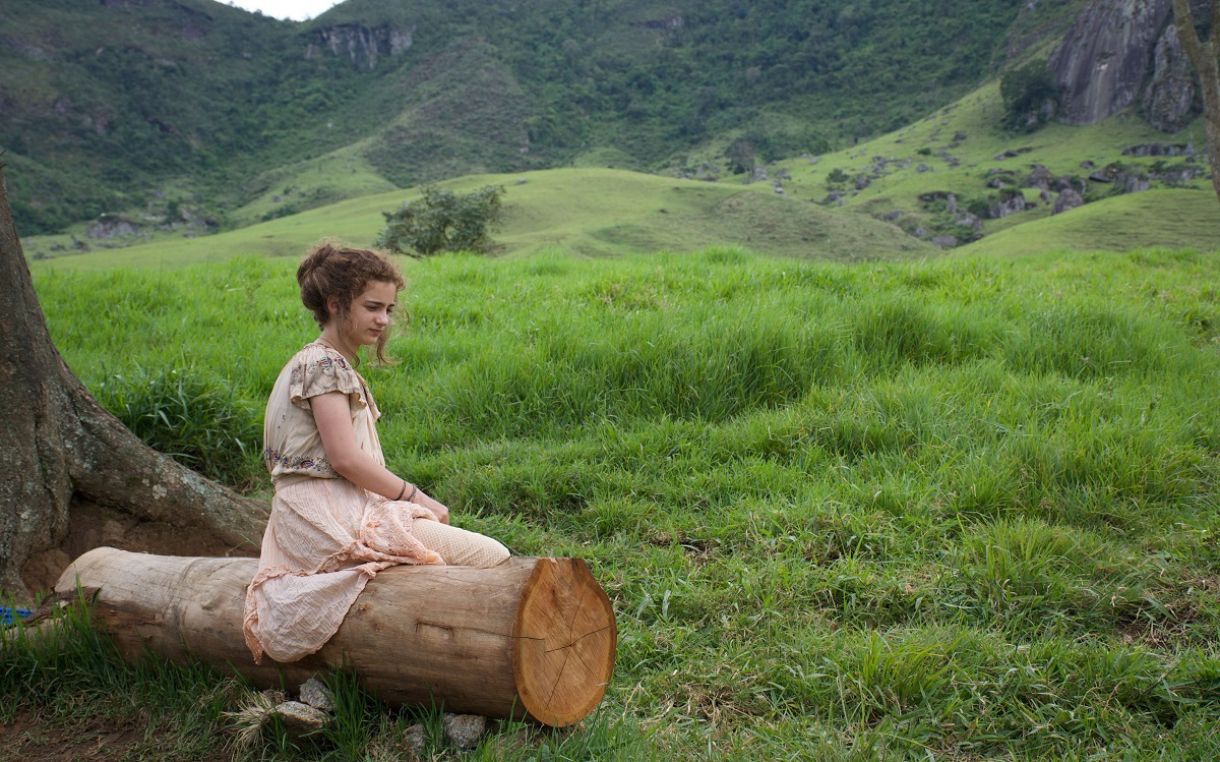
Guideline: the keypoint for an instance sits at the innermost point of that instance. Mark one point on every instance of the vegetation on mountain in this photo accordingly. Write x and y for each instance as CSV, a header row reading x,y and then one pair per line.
x,y
126,107
444,221
129,106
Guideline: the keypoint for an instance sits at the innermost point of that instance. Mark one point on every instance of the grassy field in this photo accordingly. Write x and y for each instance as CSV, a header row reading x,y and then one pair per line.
x,y
960,508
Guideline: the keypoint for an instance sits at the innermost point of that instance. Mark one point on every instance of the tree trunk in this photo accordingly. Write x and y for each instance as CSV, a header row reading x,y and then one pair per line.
x,y
531,636
1205,57
59,448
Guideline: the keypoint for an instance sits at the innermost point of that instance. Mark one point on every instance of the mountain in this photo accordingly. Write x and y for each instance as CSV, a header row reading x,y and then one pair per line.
x,y
174,109
188,116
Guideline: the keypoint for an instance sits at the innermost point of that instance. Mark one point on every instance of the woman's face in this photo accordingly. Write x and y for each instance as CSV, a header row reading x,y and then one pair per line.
x,y
369,315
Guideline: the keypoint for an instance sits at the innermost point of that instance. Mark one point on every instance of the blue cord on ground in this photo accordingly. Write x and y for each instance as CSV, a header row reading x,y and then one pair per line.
x,y
9,614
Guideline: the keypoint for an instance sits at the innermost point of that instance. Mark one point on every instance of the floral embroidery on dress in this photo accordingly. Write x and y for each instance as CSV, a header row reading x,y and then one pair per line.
x,y
330,372
302,463
327,361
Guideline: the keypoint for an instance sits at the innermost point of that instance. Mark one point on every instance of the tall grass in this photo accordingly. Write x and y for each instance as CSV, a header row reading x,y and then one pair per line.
x,y
963,508
185,413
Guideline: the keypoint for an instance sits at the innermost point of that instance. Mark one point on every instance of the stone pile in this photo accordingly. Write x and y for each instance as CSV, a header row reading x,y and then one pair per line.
x,y
315,708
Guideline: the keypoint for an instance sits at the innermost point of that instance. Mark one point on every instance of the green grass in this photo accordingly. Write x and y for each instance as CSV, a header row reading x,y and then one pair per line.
x,y
964,507
590,212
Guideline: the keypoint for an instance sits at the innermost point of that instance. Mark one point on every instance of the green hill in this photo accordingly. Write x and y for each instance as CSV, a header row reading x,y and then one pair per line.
x,y
904,205
948,173
189,118
1167,219
589,212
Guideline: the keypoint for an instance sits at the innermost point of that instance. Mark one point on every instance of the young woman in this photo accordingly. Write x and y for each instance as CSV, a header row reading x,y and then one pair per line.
x,y
339,515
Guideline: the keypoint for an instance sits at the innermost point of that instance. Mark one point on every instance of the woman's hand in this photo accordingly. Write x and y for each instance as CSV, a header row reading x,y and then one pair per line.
x,y
332,414
437,507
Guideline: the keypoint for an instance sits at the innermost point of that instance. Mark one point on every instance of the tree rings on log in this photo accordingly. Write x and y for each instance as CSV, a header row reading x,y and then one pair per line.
x,y
564,642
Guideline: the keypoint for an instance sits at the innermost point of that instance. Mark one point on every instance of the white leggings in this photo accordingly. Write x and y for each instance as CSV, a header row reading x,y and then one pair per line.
x,y
457,546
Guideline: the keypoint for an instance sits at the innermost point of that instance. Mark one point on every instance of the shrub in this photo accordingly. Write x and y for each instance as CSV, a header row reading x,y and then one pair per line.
x,y
1030,96
444,221
740,154
979,207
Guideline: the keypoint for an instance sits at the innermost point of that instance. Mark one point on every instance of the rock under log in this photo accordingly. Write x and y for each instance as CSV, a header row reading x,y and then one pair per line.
x,y
531,637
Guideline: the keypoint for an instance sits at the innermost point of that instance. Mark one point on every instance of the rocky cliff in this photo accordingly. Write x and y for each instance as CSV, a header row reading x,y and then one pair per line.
x,y
363,46
1124,53
1171,99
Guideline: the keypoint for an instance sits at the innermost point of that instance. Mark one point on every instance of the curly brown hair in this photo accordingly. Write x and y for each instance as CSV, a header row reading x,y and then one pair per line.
x,y
332,269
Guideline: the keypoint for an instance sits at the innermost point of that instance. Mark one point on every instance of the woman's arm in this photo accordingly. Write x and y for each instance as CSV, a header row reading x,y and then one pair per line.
x,y
333,417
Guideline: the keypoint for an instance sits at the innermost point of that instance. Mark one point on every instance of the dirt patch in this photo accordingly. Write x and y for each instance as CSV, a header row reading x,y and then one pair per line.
x,y
1175,625
30,737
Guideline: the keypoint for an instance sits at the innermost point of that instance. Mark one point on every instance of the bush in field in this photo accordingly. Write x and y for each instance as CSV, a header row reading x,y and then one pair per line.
x,y
443,221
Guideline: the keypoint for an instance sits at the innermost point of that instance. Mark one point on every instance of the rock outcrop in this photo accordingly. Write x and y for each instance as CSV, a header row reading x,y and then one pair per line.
x,y
1068,199
363,46
1169,101
1102,64
1009,202
112,226
1124,53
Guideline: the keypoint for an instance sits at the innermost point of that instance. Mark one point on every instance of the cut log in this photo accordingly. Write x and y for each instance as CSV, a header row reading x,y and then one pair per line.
x,y
532,637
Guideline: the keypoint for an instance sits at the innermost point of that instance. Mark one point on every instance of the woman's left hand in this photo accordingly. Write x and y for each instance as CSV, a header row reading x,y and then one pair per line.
x,y
441,511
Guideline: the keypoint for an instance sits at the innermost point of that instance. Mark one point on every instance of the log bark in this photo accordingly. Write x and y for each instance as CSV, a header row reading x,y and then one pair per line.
x,y
58,447
532,637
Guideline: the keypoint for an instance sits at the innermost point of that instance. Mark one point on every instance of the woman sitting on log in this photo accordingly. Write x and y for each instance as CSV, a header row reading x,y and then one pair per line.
x,y
339,515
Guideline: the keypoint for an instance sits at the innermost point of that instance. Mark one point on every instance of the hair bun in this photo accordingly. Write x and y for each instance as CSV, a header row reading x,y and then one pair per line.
x,y
315,259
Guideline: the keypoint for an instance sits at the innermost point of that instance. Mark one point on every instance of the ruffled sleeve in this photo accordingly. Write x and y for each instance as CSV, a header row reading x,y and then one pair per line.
x,y
321,371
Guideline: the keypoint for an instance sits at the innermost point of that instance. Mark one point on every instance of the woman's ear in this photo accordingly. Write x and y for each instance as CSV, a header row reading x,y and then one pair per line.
x,y
332,306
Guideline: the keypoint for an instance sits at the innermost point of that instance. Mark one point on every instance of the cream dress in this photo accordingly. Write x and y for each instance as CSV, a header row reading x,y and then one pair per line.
x,y
326,537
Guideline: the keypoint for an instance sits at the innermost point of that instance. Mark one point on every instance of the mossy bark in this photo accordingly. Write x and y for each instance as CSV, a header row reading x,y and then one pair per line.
x,y
1205,57
58,446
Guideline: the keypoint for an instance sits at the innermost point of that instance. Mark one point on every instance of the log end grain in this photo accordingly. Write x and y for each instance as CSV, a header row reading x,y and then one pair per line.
x,y
564,642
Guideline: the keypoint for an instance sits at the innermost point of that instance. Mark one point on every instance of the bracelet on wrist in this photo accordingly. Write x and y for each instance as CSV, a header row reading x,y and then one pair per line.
x,y
414,489
403,491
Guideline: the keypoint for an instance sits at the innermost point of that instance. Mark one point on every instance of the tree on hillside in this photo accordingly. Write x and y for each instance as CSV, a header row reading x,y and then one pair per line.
x,y
444,221
1205,57
62,455
1030,96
